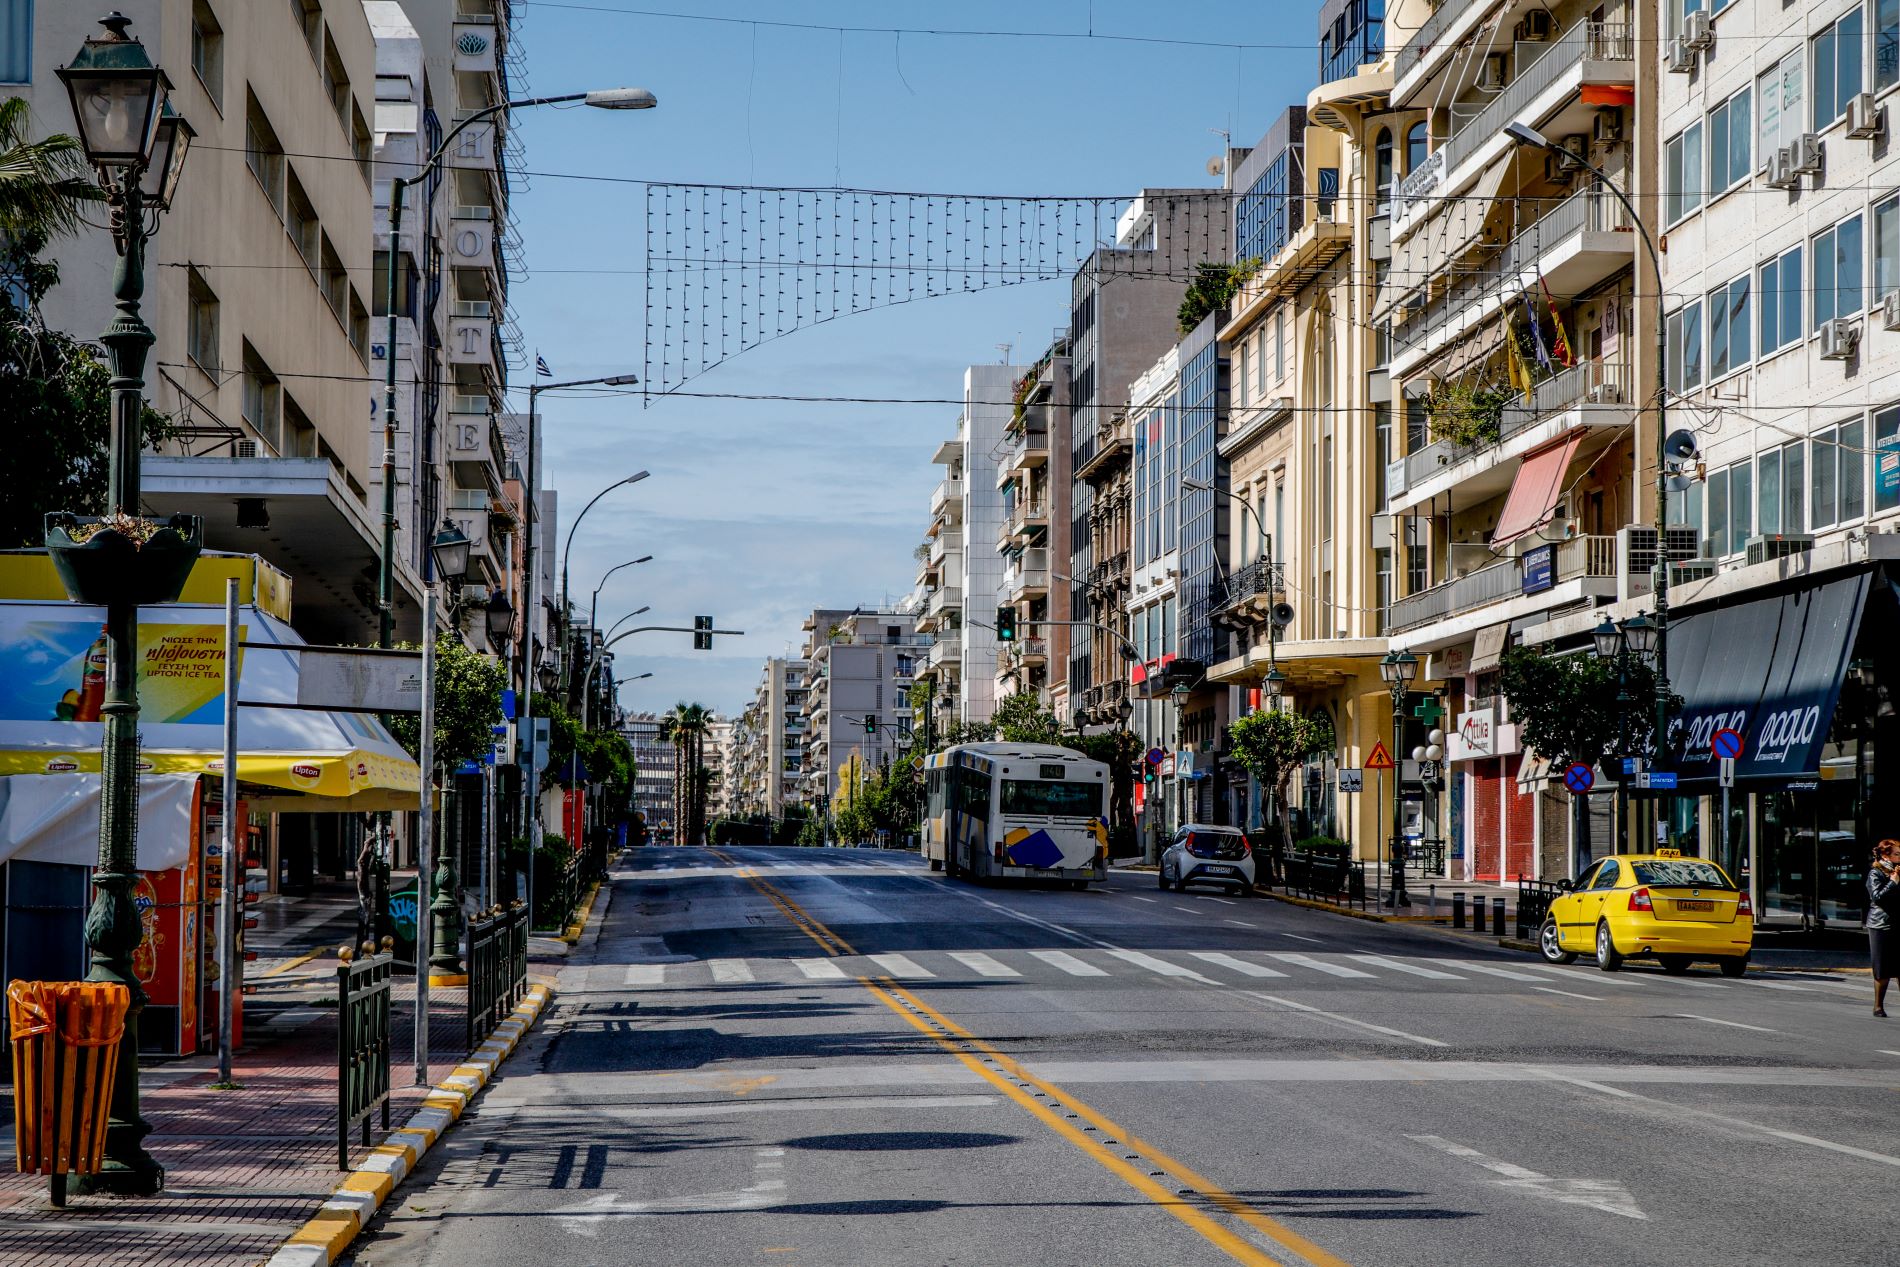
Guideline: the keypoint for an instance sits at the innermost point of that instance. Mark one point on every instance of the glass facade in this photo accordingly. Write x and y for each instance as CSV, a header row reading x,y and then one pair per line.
x,y
1270,211
1202,512
1352,33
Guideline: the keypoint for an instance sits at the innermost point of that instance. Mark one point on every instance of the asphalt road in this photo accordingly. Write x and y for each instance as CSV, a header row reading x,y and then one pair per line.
x,y
838,1058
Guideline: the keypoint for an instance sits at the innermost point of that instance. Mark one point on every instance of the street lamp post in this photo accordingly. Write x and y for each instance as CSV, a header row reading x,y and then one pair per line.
x,y
1634,637
1398,669
568,549
449,550
125,124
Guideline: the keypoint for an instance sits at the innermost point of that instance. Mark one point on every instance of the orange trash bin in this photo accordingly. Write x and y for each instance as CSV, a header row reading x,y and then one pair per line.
x,y
65,1052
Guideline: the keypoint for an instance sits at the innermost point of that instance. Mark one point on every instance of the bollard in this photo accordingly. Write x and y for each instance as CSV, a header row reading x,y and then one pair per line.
x,y
1497,916
1457,910
1431,902
1477,912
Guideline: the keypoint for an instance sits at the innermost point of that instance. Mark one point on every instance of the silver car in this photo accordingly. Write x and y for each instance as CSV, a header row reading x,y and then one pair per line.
x,y
1201,853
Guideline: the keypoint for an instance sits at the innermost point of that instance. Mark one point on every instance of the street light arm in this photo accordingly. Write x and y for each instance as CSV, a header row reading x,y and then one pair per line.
x,y
593,605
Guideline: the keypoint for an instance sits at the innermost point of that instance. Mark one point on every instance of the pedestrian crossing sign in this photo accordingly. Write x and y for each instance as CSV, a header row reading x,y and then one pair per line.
x,y
1380,758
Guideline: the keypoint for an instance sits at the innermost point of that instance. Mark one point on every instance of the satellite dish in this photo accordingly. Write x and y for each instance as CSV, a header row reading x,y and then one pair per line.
x,y
1216,165
1681,446
1281,614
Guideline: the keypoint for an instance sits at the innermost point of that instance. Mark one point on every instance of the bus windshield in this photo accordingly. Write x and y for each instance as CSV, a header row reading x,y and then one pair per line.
x,y
1054,798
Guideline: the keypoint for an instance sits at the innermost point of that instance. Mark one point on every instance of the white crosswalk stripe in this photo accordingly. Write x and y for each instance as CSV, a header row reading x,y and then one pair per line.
x,y
1399,965
1161,966
1317,965
1238,965
819,969
1466,965
1068,963
646,974
982,964
730,971
899,966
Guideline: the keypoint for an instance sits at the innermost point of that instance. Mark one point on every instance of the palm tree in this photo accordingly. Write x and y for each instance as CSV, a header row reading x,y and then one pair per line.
x,y
42,182
685,726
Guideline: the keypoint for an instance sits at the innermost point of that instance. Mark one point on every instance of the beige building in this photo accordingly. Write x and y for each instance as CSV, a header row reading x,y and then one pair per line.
x,y
1032,471
857,711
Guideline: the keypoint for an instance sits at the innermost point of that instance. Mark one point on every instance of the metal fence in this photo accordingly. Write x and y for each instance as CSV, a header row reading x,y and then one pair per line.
x,y
362,1047
1533,904
1324,876
497,968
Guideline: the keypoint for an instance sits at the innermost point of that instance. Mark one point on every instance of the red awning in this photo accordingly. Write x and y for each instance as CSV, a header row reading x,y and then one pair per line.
x,y
1536,490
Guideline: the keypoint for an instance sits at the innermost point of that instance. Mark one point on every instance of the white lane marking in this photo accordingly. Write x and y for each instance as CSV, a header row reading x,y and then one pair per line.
x,y
730,971
1238,965
1466,965
1224,901
1780,985
819,969
646,974
586,1217
823,1104
1352,1021
1243,923
1299,937
1399,965
1606,1195
1068,963
1139,898
982,964
1887,1051
1190,910
1318,965
1161,966
1551,989
1674,1110
1580,974
1716,1020
899,966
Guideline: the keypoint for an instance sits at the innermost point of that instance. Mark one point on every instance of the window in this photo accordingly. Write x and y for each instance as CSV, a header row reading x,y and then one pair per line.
x,y
201,323
1682,161
1780,483
263,398
1886,43
299,434
207,51
1607,877
1685,349
359,325
1239,375
1779,297
1279,345
1837,77
300,221
1382,162
1778,113
1838,481
1066,798
1887,459
1728,327
1415,149
1837,272
333,277
1730,130
1731,500
308,15
336,82
16,41
360,142
263,155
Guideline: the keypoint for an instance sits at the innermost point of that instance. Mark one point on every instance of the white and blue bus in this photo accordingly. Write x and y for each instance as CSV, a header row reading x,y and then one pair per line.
x,y
1022,811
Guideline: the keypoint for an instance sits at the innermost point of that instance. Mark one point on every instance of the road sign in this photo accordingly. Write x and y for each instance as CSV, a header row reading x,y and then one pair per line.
x,y
1156,756
1380,758
1579,778
1663,780
1726,778
1632,765
1352,780
1727,743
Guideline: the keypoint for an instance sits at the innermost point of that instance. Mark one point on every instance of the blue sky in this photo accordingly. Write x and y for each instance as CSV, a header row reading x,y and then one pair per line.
x,y
757,512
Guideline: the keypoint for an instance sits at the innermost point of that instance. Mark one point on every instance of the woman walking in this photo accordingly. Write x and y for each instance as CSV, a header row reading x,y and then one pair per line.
x,y
1883,905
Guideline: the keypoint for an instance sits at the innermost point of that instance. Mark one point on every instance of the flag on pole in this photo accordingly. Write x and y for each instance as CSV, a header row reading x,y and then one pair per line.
x,y
1538,346
1514,365
541,366
1560,345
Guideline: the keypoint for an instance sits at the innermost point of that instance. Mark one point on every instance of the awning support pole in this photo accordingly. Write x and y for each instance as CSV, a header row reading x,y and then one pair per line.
x,y
230,892
425,838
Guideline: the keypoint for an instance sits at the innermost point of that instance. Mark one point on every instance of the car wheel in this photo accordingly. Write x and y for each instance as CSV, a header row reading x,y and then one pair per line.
x,y
1735,967
1674,965
1161,876
1552,948
1243,890
1078,885
1607,958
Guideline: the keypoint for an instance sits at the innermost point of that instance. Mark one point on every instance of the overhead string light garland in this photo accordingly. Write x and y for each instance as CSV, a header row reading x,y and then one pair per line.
x,y
729,268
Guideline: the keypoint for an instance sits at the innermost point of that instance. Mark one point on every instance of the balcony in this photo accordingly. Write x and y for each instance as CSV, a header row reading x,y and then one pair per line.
x,y
1594,394
1588,53
472,240
1024,653
1029,448
1024,516
1583,567
945,598
1321,239
1428,49
1583,240
1247,593
947,500
1027,576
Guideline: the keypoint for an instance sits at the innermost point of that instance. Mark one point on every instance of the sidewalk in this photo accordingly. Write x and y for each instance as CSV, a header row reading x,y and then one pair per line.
x,y
245,1168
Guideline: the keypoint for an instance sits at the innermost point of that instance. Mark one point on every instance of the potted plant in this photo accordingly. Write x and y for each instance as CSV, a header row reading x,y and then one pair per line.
x,y
1466,415
121,558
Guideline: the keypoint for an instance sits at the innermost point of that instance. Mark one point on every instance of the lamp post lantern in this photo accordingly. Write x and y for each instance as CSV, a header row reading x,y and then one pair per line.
x,y
136,144
1634,637
1398,669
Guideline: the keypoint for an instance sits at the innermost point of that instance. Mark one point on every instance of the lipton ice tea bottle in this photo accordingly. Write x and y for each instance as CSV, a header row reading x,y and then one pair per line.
x,y
92,681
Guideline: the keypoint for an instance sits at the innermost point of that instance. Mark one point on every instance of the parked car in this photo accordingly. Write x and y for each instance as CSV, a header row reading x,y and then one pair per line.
x,y
1201,853
1662,904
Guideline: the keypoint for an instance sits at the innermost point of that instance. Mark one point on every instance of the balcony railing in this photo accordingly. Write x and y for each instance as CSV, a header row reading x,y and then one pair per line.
x,y
1256,580
1576,559
1024,513
1587,41
1420,45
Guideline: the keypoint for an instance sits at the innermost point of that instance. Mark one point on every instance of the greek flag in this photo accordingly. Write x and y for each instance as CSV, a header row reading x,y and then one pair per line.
x,y
541,366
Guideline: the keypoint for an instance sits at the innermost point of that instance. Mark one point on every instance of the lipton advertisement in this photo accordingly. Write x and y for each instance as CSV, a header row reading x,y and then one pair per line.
x,y
58,672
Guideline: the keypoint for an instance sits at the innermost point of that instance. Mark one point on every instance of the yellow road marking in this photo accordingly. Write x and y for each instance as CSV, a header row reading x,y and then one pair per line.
x,y
1008,1077
298,962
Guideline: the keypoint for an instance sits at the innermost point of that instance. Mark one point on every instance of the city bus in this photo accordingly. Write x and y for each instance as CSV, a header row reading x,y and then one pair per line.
x,y
1019,811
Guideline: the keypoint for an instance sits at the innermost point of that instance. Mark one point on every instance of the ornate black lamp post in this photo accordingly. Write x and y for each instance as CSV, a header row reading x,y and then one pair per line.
x,y
1634,637
450,549
137,147
1398,669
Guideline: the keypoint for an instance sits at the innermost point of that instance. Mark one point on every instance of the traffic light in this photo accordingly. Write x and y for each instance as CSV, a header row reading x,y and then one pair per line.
x,y
870,723
702,633
1006,624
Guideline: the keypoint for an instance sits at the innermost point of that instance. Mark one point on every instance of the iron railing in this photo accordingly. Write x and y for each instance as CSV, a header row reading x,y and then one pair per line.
x,y
1576,559
1533,904
1256,580
1586,41
497,968
362,1046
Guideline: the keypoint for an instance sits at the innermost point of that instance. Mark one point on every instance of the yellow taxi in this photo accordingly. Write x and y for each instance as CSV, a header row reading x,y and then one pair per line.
x,y
1663,904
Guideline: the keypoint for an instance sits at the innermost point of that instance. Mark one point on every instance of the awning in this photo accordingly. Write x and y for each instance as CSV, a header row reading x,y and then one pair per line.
x,y
310,759
55,818
1536,490
1452,229
1487,650
1770,668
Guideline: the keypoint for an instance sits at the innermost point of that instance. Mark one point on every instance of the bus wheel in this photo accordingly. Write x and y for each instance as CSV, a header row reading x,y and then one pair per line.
x,y
1078,885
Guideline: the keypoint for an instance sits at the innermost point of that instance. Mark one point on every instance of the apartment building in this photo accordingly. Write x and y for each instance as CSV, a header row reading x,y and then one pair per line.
x,y
654,772
939,593
719,769
1032,470
767,762
860,668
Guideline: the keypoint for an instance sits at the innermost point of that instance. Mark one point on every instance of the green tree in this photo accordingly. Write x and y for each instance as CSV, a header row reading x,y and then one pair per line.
x,y
1214,286
1272,745
468,688
686,726
42,183
1119,750
1021,718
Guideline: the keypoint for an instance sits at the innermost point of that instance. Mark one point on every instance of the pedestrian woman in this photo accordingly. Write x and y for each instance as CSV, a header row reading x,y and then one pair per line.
x,y
1883,906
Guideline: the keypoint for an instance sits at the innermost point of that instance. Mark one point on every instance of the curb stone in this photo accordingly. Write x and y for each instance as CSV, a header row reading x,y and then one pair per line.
x,y
341,1218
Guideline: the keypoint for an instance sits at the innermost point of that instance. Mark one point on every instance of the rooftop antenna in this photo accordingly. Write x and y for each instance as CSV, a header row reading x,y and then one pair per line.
x,y
1218,165
1005,349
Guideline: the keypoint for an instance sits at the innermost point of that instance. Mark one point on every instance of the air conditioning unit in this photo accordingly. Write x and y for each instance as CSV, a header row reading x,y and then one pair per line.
x,y
1636,555
1537,27
1780,171
1780,546
1698,33
1840,339
1560,170
1807,153
244,449
1866,120
1681,58
1693,570
1576,150
1606,394
1890,310
1491,76
1608,125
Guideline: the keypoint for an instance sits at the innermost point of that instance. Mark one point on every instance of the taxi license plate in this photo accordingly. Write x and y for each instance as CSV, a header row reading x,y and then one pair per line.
x,y
1684,904
1219,870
